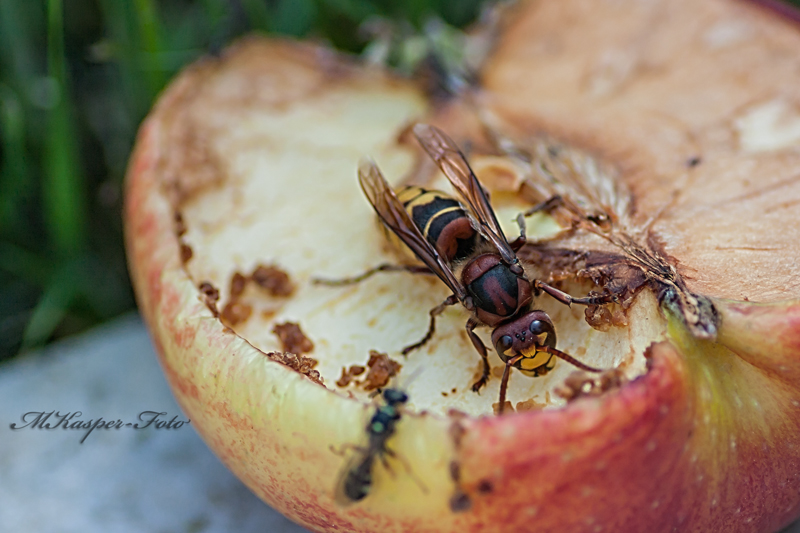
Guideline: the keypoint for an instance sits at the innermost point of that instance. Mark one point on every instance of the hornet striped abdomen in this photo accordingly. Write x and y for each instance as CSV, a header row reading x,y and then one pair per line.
x,y
442,220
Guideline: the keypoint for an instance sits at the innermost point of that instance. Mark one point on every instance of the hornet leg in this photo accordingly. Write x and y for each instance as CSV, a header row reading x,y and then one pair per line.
x,y
522,239
566,299
547,206
478,343
385,267
504,384
436,311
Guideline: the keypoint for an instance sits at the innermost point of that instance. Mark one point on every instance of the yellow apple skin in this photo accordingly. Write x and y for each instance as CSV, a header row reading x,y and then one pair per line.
x,y
707,440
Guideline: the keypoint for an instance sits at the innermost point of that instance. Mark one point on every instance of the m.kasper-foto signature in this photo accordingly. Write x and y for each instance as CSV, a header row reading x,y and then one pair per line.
x,y
71,420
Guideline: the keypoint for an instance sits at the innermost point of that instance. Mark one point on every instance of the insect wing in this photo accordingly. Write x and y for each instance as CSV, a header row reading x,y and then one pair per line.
x,y
393,214
454,165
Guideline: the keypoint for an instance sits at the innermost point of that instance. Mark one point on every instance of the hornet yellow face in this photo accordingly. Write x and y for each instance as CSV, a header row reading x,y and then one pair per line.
x,y
536,363
525,337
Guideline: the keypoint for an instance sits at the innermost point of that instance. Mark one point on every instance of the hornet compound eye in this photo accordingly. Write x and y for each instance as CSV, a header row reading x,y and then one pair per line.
x,y
504,344
537,327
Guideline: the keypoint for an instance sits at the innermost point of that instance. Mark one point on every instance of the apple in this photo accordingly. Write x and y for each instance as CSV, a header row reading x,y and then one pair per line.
x,y
242,190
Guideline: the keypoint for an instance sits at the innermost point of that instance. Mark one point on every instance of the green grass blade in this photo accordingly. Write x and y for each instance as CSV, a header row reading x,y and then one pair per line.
x,y
150,34
117,17
51,309
14,176
63,185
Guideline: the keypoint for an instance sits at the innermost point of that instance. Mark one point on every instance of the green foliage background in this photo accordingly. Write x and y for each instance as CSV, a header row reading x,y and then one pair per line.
x,y
76,79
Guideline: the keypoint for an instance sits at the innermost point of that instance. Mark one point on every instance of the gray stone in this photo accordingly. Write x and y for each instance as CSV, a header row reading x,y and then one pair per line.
x,y
117,480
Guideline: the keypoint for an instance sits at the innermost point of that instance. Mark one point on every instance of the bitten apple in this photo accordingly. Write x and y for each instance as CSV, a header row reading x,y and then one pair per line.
x,y
242,189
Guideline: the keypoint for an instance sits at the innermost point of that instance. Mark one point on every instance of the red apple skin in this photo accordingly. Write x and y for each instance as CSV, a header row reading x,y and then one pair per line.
x,y
707,440
659,455
753,330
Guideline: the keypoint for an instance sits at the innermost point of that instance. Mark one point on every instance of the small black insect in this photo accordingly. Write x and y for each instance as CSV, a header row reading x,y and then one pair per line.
x,y
356,479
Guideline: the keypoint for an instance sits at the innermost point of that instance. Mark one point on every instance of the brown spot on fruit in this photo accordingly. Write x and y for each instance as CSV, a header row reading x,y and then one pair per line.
x,y
235,313
292,338
381,369
299,363
273,280
455,470
210,295
348,375
485,486
460,502
507,408
457,430
579,384
530,405
186,252
180,225
238,284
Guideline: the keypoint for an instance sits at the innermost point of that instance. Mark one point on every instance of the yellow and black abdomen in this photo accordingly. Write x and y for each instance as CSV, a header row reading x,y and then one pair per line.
x,y
442,220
